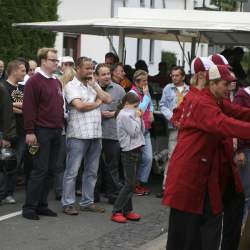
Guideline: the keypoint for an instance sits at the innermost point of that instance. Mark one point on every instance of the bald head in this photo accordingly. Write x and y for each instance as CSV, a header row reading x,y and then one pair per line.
x,y
33,66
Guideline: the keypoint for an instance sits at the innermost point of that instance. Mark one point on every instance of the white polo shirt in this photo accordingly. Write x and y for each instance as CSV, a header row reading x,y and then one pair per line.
x,y
82,124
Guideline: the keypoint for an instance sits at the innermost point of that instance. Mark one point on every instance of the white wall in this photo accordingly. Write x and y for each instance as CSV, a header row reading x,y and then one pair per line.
x,y
179,4
131,43
91,46
96,47
174,46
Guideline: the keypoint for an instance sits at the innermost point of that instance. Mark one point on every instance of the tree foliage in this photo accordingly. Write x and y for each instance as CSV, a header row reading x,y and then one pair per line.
x,y
227,5
20,42
169,58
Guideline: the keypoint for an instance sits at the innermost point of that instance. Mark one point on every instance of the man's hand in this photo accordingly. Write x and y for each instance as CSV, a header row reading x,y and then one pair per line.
x,y
91,82
5,143
18,105
98,101
108,114
175,123
145,89
241,159
31,139
17,110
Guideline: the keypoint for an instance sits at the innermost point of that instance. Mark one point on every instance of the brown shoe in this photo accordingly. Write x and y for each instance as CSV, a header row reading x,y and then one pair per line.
x,y
70,210
92,208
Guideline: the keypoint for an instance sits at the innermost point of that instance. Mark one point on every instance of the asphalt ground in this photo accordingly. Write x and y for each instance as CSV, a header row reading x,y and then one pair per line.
x,y
87,231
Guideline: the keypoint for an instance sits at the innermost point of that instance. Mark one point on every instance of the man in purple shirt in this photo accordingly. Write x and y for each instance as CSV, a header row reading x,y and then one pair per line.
x,y
43,123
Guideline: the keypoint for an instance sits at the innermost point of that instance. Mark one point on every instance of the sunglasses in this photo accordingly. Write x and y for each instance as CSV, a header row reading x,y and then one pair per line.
x,y
53,60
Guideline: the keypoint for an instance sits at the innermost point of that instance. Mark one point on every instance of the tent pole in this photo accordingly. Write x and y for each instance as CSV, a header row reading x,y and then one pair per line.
x,y
182,48
193,46
121,46
111,44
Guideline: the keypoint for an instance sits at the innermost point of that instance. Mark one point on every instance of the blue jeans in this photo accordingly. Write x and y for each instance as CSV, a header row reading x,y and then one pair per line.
x,y
145,164
78,149
60,167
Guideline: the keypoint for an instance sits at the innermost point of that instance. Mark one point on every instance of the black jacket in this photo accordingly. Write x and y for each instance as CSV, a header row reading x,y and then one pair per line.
x,y
7,118
4,76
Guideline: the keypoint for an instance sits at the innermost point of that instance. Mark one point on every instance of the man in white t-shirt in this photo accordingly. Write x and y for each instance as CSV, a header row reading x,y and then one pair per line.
x,y
84,133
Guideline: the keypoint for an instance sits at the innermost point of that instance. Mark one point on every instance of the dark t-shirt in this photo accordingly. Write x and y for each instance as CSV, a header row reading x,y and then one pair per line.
x,y
16,94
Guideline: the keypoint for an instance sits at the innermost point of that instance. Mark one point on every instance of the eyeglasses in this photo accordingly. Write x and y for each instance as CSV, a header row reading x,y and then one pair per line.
x,y
53,60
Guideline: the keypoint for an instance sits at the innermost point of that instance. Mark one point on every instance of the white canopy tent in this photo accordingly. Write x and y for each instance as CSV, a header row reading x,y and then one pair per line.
x,y
214,27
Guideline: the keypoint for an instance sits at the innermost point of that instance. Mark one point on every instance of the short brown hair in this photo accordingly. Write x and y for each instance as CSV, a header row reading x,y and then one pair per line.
x,y
114,67
112,55
138,74
179,68
81,60
130,98
43,54
99,66
14,65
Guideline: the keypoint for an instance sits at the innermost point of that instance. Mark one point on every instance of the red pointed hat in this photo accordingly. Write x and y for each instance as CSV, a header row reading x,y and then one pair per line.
x,y
200,64
222,72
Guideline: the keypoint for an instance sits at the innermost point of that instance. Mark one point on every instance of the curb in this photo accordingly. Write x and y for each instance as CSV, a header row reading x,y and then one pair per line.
x,y
158,243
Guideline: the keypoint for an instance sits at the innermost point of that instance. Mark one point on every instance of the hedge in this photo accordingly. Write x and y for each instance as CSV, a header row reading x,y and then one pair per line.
x,y
20,42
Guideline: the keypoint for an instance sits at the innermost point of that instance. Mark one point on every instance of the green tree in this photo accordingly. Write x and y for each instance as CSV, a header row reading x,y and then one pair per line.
x,y
169,58
19,42
227,5
246,63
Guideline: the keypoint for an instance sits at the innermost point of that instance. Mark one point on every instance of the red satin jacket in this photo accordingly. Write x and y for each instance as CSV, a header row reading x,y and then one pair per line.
x,y
196,164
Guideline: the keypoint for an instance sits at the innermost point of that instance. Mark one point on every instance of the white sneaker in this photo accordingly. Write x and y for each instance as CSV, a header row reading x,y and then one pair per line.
x,y
9,200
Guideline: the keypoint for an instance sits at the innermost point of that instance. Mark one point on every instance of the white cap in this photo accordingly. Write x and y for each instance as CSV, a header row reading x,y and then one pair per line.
x,y
66,59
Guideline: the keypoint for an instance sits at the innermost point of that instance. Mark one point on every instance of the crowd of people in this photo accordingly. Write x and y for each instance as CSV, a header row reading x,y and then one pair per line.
x,y
84,129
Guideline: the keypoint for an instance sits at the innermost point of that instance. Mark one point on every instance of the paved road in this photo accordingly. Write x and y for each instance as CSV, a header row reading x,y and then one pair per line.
x,y
87,231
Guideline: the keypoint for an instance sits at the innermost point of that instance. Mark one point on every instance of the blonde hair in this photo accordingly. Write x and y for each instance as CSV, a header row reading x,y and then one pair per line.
x,y
67,76
139,74
195,78
43,53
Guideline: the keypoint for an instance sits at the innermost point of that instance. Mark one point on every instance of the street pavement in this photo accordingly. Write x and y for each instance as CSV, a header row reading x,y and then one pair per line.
x,y
87,231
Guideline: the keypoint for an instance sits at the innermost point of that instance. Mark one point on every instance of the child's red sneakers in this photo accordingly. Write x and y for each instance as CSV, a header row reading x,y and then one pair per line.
x,y
146,191
133,216
119,218
139,191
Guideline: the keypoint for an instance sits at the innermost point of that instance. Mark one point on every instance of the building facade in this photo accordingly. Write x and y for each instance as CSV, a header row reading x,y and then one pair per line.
x,y
97,46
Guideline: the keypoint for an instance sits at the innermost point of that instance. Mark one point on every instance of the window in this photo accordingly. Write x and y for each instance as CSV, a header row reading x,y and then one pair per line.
x,y
151,51
142,3
71,45
152,3
139,49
